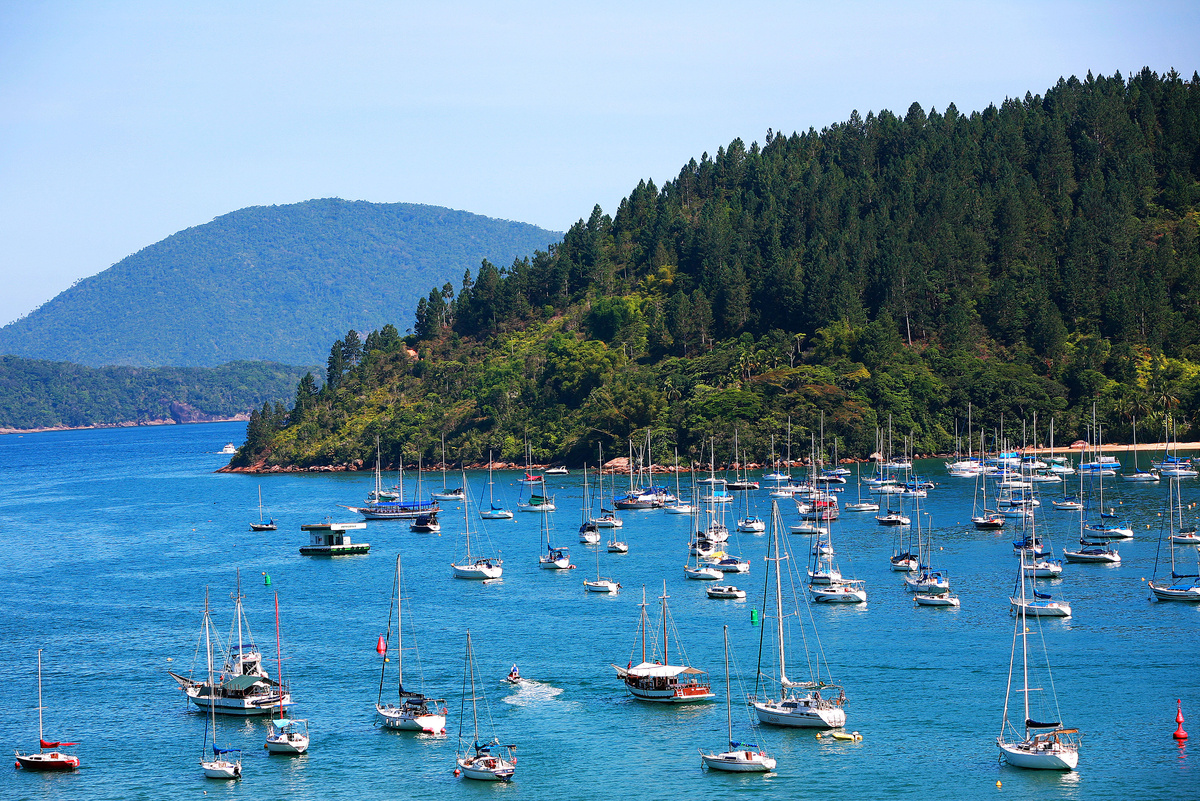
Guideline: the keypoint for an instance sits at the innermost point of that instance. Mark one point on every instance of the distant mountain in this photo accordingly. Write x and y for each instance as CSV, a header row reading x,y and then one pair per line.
x,y
42,394
274,283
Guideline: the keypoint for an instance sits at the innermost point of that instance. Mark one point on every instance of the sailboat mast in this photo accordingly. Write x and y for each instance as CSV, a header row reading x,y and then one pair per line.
x,y
400,626
778,593
666,661
471,669
643,624
1024,644
237,608
728,697
279,655
41,734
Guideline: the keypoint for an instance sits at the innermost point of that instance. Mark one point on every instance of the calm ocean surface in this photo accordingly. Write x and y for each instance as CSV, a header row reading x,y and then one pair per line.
x,y
110,538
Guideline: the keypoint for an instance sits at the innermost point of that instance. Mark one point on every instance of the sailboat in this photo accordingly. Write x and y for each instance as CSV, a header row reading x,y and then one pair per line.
x,y
985,519
287,735
1102,529
1041,605
860,505
660,681
493,512
751,523
479,762
386,505
679,507
1042,746
741,757
447,494
600,584
800,703
702,572
926,580
607,518
262,525
220,766
414,711
1182,586
43,760
1138,474
589,532
245,687
555,557
539,501
472,566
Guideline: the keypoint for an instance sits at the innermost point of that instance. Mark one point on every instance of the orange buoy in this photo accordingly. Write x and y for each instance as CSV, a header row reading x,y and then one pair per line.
x,y
1179,734
381,646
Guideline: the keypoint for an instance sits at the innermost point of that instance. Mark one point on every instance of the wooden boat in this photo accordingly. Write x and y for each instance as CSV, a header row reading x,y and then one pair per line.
x,y
660,681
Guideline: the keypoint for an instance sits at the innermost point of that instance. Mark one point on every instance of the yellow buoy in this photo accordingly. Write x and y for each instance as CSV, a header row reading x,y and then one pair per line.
x,y
998,783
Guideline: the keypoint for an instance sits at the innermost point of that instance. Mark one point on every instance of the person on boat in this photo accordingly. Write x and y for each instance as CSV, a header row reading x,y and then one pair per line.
x,y
514,674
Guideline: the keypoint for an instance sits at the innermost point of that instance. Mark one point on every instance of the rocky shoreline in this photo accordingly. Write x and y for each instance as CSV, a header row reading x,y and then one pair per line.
x,y
164,421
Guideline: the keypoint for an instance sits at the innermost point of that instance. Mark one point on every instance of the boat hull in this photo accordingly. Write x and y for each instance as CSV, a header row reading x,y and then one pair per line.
x,y
477,571
394,717
45,762
1167,592
601,586
488,769
801,717
222,769
496,514
739,762
1059,758
293,745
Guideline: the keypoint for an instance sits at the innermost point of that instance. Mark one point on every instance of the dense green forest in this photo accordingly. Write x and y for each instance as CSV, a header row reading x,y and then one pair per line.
x,y
42,394
273,283
1036,257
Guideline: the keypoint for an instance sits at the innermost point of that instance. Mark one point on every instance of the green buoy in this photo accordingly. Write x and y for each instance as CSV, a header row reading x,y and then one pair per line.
x,y
266,579
753,617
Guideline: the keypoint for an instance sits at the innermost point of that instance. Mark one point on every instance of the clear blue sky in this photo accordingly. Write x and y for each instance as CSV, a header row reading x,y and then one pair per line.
x,y
123,122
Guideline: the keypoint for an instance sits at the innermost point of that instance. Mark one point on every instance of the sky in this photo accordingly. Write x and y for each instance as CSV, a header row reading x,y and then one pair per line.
x,y
124,122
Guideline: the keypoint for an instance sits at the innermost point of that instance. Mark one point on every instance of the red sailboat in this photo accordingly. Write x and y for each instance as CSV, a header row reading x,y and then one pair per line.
x,y
46,760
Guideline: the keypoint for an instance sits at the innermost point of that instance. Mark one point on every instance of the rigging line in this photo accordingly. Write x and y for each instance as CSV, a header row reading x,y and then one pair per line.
x,y
388,637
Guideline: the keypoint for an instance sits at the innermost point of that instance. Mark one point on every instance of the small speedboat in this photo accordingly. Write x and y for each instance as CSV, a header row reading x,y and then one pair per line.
x,y
514,676
727,591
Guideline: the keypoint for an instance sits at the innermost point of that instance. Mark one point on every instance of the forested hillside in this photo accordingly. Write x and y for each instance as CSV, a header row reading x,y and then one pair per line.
x,y
1033,257
274,283
41,394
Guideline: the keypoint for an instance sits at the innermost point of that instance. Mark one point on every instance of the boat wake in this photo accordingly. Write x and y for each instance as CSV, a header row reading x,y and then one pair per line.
x,y
530,693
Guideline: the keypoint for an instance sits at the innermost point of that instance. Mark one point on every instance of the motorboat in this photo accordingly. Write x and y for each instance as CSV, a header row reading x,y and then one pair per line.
x,y
724,591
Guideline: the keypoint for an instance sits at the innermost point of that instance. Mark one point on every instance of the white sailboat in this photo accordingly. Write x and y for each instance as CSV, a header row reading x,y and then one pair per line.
x,y
1182,586
679,507
1034,744
473,566
493,512
447,494
1042,604
741,757
554,557
413,711
600,584
219,766
799,703
43,760
490,761
287,735
607,518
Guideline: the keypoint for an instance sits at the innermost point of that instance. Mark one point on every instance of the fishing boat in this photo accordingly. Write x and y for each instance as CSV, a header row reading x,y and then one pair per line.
x,y
286,735
43,760
331,539
798,703
741,757
493,511
490,761
1181,586
447,493
244,687
219,766
413,710
660,681
262,525
473,566
1033,744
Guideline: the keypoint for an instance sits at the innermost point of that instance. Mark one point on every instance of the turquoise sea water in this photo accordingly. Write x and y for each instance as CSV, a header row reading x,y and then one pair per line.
x,y
110,538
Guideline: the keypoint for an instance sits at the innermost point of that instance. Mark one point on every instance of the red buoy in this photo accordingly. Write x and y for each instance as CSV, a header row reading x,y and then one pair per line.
x,y
381,646
1179,734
